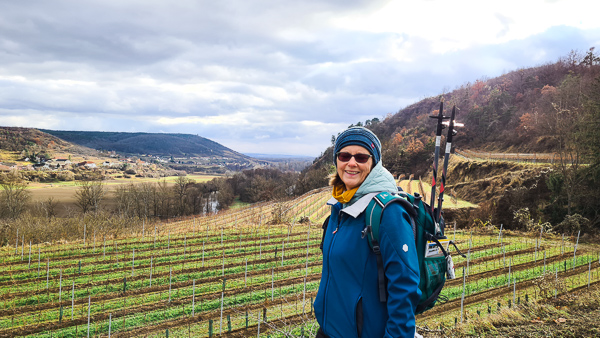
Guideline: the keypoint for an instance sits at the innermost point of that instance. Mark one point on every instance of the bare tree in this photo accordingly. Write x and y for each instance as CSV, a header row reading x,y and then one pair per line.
x,y
144,199
14,196
180,191
163,199
565,124
89,195
49,207
124,198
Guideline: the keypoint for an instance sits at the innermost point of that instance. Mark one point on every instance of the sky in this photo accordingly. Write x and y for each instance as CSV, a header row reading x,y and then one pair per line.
x,y
263,76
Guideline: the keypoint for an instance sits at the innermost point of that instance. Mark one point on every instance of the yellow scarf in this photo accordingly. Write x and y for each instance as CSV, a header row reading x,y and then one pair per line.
x,y
341,195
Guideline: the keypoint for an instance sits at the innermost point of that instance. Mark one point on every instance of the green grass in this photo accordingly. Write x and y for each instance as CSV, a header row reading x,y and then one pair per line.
x,y
238,204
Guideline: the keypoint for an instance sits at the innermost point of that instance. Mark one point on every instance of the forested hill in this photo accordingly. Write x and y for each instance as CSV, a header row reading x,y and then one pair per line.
x,y
547,108
147,143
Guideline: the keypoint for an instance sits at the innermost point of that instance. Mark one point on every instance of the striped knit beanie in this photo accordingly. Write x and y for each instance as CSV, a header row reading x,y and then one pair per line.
x,y
359,136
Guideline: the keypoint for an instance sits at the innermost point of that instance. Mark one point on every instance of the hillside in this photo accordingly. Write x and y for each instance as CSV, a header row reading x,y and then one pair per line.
x,y
30,142
157,144
517,111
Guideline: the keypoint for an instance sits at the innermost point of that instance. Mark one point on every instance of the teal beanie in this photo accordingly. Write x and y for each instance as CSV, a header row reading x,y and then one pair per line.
x,y
358,136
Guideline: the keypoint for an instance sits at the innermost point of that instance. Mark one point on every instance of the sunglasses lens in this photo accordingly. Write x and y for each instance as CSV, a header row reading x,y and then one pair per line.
x,y
361,158
344,157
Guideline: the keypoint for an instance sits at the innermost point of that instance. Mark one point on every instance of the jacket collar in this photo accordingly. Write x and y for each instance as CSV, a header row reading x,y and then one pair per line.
x,y
357,207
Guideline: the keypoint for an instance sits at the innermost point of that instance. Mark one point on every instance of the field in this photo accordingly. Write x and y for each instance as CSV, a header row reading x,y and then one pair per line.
x,y
239,274
64,192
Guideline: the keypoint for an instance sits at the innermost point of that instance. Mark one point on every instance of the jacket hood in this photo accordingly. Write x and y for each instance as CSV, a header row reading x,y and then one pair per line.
x,y
378,180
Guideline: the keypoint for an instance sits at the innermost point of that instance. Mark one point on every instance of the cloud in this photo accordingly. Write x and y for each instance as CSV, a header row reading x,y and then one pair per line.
x,y
261,75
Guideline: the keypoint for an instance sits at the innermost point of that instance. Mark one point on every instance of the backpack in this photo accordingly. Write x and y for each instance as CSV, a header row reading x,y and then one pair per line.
x,y
435,263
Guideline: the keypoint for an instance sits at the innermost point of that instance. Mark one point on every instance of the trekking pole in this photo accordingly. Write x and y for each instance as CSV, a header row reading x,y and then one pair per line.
x,y
438,139
451,132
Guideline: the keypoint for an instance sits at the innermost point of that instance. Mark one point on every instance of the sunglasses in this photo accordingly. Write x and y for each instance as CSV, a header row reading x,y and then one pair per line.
x,y
359,158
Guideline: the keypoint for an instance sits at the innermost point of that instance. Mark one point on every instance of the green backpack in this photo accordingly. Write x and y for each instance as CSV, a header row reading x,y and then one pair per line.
x,y
435,263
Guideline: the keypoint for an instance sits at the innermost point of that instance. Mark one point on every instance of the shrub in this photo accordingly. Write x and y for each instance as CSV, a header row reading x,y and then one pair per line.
x,y
280,214
65,176
574,223
523,219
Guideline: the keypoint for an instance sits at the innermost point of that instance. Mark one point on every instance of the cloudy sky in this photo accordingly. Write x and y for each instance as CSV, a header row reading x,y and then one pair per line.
x,y
263,76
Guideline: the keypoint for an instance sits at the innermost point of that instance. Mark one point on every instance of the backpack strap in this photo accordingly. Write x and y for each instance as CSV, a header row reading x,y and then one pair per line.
x,y
373,219
325,223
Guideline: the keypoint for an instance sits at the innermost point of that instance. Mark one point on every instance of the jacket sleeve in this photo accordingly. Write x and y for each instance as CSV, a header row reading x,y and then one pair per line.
x,y
399,256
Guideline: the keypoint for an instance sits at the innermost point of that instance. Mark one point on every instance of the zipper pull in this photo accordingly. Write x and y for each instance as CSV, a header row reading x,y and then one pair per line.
x,y
365,231
336,229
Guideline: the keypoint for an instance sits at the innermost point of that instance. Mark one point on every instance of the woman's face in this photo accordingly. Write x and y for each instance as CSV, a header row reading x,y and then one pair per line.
x,y
353,173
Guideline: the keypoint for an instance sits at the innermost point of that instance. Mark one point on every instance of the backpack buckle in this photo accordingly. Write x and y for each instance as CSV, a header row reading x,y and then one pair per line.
x,y
376,249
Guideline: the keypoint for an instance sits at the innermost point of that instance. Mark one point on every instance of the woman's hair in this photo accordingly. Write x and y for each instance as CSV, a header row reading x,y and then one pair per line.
x,y
335,179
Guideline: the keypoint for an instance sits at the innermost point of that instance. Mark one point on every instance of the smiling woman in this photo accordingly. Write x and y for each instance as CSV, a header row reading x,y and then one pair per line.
x,y
348,302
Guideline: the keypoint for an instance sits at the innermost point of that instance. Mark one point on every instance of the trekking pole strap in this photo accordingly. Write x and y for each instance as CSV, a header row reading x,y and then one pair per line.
x,y
457,250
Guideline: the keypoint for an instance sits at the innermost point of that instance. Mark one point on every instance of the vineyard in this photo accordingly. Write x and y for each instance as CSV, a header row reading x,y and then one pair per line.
x,y
248,272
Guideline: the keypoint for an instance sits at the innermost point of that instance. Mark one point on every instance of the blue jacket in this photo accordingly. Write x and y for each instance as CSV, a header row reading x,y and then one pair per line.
x,y
348,298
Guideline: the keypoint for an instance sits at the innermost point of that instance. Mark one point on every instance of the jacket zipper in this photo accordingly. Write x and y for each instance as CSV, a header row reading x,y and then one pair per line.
x,y
328,267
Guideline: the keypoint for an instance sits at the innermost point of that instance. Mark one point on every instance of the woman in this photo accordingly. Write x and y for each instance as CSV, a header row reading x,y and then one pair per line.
x,y
347,303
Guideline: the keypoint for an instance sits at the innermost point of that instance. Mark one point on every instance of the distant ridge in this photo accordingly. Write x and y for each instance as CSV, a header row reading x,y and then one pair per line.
x,y
159,144
280,156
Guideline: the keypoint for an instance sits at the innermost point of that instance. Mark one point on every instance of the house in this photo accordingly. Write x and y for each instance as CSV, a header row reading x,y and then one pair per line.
x,y
59,163
110,164
41,166
87,164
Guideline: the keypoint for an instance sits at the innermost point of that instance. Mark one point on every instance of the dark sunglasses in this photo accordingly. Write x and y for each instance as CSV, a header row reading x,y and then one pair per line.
x,y
359,158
